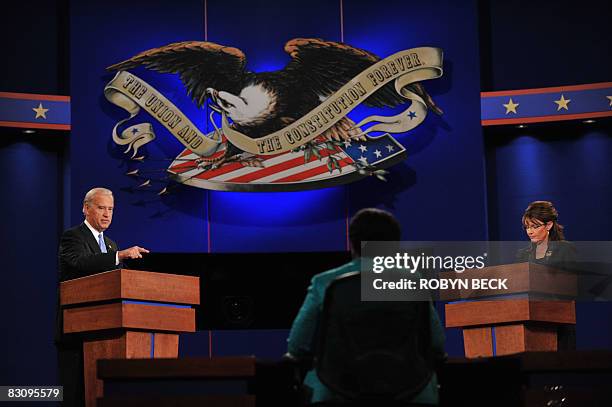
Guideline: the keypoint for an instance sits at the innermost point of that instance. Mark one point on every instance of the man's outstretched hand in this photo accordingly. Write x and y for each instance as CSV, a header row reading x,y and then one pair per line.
x,y
134,252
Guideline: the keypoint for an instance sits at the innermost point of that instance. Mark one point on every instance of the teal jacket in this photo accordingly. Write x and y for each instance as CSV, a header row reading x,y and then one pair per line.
x,y
302,334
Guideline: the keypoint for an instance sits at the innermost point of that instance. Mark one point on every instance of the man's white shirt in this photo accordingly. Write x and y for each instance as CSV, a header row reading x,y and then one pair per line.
x,y
96,234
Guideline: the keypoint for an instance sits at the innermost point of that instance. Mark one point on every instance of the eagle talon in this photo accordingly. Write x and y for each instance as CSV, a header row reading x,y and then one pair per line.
x,y
251,162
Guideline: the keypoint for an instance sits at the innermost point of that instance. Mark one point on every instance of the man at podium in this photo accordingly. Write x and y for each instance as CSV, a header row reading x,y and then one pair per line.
x,y
85,250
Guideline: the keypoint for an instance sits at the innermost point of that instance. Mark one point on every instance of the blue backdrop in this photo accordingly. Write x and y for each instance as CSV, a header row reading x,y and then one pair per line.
x,y
419,190
302,221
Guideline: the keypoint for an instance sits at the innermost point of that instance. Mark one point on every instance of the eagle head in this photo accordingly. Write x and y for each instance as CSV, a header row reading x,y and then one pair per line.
x,y
255,104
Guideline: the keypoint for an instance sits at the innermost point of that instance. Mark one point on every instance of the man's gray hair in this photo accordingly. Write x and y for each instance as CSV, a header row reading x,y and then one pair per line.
x,y
89,196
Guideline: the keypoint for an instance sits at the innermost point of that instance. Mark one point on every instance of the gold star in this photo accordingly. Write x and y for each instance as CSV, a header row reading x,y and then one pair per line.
x,y
510,106
562,103
610,97
40,111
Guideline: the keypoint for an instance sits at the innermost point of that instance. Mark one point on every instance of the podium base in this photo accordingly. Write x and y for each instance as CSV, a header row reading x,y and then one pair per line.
x,y
125,345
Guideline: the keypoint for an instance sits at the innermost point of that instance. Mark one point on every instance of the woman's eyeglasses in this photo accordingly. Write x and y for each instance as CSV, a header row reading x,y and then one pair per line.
x,y
533,227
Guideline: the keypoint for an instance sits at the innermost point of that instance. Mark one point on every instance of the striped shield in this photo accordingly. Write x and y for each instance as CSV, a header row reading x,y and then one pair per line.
x,y
332,164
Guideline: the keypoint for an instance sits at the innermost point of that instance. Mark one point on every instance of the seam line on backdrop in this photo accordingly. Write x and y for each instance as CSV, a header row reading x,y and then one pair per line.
x,y
207,192
341,21
208,221
347,210
205,20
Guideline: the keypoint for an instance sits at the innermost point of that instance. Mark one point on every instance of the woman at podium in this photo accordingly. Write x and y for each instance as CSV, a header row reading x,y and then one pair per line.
x,y
548,244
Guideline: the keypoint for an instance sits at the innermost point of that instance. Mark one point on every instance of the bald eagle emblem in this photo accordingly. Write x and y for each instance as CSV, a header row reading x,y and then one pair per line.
x,y
280,130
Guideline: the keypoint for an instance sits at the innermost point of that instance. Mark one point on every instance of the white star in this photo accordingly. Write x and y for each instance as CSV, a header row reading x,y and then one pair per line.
x,y
377,154
347,144
363,160
40,111
562,103
363,148
390,147
510,106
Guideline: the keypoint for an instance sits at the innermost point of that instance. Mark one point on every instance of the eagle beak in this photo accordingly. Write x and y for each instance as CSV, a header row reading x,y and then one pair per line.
x,y
213,94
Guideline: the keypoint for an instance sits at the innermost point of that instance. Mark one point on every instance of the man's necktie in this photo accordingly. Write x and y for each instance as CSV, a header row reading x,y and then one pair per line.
x,y
101,243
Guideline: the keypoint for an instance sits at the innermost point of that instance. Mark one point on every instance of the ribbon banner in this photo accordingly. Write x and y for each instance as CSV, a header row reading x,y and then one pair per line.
x,y
132,93
404,67
285,159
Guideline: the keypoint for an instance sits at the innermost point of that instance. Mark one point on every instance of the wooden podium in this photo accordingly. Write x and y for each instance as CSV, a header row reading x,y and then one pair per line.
x,y
127,314
523,317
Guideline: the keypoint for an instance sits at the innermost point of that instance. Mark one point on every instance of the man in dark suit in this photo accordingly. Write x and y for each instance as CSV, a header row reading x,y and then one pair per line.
x,y
85,250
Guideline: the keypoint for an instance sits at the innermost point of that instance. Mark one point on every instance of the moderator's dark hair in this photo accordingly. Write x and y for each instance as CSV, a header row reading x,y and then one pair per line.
x,y
545,212
371,224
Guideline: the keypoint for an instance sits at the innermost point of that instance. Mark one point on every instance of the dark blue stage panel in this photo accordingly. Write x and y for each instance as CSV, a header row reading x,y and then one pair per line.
x,y
104,33
439,191
32,188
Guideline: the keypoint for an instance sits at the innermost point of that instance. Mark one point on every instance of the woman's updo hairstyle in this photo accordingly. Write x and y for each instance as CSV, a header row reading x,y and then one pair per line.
x,y
545,212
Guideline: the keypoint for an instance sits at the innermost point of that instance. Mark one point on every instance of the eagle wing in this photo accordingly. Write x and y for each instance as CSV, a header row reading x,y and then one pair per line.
x,y
327,66
200,65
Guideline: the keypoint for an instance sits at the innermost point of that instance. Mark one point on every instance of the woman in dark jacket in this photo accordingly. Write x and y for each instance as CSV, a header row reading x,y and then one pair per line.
x,y
548,246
